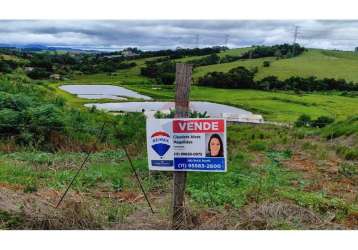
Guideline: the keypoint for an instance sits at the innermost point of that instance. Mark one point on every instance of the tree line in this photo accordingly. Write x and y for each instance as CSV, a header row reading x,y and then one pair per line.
x,y
243,78
163,69
173,54
43,65
278,51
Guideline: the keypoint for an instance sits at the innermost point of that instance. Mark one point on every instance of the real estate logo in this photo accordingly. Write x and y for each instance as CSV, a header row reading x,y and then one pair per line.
x,y
160,142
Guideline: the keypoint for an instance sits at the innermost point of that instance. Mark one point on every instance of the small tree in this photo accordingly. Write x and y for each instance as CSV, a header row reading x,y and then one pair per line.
x,y
303,121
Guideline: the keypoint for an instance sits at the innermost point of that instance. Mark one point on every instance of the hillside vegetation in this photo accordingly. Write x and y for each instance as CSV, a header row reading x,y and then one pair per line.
x,y
313,62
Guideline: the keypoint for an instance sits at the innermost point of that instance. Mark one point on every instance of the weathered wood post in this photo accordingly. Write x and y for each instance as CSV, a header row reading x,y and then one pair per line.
x,y
182,79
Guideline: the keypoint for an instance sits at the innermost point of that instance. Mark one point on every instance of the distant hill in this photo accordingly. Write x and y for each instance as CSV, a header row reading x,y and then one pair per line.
x,y
44,48
313,62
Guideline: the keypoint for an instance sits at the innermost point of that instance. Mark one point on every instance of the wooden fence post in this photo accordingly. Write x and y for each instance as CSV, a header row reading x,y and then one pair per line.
x,y
182,79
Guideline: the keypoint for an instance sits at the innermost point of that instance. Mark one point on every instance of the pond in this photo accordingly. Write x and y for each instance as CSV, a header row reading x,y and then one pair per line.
x,y
212,109
102,91
120,93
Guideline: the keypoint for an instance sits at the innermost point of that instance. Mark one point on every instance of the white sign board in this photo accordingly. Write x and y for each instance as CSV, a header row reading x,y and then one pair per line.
x,y
187,144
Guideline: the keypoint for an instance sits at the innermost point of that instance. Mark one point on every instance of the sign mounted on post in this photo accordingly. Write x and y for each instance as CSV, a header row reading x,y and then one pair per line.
x,y
187,144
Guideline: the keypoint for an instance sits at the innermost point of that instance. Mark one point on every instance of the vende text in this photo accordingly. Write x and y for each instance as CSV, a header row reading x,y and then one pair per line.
x,y
198,126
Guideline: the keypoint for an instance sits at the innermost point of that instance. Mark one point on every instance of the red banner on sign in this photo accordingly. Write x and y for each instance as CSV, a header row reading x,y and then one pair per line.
x,y
198,126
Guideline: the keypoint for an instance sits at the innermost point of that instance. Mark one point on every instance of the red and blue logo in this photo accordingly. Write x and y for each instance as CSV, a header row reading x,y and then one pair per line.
x,y
160,142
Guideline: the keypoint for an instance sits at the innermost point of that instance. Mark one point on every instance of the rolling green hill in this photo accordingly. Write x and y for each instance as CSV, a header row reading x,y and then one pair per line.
x,y
314,62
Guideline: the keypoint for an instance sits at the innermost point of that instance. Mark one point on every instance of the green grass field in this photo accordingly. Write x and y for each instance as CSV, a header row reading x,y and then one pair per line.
x,y
275,106
123,76
225,67
314,62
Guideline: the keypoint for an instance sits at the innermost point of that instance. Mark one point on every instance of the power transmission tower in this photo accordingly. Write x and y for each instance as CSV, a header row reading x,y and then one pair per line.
x,y
226,41
295,34
295,40
197,41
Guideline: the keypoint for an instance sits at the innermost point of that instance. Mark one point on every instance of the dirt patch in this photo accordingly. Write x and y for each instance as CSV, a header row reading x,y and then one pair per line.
x,y
258,160
217,220
323,176
14,187
125,196
144,219
300,163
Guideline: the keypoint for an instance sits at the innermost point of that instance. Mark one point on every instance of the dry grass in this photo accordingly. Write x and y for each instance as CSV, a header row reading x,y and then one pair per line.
x,y
282,215
32,211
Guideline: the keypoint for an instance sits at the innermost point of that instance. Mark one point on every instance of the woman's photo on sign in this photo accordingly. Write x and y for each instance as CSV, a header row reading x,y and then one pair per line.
x,y
214,145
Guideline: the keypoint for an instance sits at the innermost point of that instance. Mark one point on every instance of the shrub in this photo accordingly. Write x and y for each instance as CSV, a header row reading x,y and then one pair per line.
x,y
348,170
9,120
39,73
322,121
266,64
347,153
166,78
46,117
4,67
303,121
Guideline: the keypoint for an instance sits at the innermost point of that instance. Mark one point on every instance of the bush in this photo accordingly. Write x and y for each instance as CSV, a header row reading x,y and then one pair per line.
x,y
347,152
39,73
303,121
348,170
9,120
306,121
322,121
166,78
131,130
17,102
266,64
4,67
46,117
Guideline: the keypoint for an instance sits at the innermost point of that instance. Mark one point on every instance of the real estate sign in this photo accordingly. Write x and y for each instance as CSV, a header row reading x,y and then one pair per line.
x,y
187,144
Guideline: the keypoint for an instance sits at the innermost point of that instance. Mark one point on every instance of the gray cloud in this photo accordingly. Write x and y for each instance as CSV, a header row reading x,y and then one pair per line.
x,y
162,34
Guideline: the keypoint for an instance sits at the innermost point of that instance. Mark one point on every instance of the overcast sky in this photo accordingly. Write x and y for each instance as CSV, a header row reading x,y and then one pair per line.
x,y
153,35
